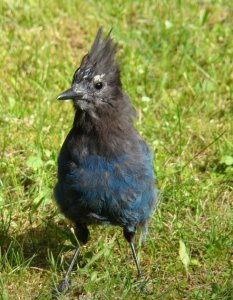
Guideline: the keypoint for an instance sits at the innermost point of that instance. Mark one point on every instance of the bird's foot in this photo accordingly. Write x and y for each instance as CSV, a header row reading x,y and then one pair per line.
x,y
143,287
141,284
62,287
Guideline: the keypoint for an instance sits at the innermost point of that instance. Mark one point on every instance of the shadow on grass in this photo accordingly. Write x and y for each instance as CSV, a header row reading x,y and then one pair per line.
x,y
40,245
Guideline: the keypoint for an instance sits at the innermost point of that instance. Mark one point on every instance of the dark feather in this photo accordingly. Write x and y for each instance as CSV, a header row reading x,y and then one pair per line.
x,y
105,172
100,59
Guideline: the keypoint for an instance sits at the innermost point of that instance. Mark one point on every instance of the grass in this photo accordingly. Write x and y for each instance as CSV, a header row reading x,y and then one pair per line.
x,y
176,60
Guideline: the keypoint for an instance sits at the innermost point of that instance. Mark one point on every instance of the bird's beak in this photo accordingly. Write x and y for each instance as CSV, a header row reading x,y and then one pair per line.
x,y
71,94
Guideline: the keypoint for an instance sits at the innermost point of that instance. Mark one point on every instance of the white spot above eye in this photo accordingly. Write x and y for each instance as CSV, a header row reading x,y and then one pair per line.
x,y
98,78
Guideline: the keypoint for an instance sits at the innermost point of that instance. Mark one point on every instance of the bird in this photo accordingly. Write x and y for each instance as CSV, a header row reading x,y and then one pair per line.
x,y
105,168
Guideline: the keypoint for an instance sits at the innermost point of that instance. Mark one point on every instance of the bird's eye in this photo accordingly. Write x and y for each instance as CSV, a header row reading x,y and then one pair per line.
x,y
98,85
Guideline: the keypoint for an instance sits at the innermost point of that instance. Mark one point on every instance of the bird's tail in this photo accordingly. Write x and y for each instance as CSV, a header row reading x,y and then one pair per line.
x,y
144,231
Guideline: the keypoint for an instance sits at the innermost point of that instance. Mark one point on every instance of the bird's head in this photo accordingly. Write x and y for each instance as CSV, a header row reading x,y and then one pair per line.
x,y
97,81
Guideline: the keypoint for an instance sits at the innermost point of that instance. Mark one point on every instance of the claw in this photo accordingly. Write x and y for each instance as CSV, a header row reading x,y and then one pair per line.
x,y
63,286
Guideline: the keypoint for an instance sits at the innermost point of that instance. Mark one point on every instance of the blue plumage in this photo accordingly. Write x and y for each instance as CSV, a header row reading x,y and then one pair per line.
x,y
105,172
113,189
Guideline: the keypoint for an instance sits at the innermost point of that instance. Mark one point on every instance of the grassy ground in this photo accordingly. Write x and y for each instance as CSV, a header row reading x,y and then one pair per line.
x,y
176,59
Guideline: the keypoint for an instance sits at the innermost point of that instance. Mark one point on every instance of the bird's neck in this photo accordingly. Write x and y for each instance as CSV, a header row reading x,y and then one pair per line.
x,y
108,132
105,126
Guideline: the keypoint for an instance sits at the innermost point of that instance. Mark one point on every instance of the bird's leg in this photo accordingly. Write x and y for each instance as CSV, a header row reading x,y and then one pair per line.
x,y
64,283
129,235
136,259
82,233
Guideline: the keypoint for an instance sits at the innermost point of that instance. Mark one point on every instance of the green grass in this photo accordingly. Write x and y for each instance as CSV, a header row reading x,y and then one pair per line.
x,y
176,60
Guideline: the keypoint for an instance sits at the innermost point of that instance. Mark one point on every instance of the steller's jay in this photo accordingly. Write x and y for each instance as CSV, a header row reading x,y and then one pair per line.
x,y
105,173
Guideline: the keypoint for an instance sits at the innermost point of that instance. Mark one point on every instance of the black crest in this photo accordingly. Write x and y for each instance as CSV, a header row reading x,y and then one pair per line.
x,y
100,59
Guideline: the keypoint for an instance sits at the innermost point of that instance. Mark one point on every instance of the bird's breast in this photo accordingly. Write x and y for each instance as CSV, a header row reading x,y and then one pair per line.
x,y
119,189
